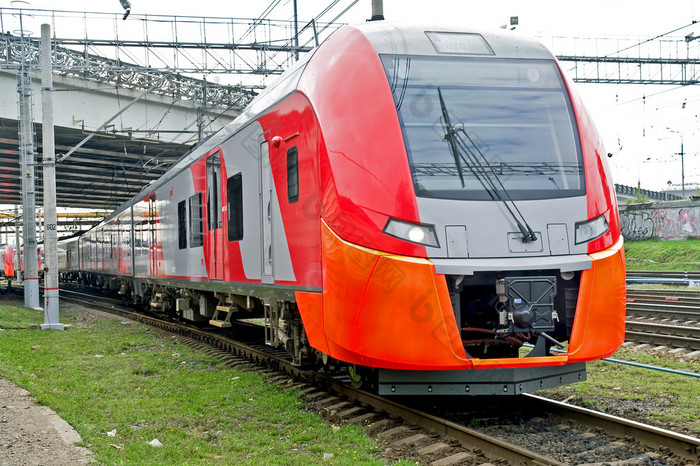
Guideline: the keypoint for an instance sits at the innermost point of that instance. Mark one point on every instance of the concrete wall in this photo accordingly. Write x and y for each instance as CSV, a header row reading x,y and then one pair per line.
x,y
674,220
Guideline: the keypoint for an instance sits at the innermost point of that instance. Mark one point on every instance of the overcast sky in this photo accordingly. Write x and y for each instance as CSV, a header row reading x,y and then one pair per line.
x,y
632,119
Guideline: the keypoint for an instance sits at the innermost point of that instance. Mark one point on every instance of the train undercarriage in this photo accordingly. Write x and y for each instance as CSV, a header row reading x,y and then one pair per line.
x,y
499,314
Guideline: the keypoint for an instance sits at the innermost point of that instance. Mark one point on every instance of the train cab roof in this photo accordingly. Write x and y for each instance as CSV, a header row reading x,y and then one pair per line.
x,y
410,39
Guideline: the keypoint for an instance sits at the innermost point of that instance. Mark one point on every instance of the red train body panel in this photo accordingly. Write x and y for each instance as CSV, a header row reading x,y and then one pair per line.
x,y
8,261
416,202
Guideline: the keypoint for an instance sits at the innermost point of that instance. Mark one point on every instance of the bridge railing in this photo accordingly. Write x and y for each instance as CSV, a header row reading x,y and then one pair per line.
x,y
188,44
652,195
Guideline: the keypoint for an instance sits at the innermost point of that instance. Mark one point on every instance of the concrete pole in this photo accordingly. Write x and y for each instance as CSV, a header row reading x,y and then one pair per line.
x,y
18,272
49,161
27,162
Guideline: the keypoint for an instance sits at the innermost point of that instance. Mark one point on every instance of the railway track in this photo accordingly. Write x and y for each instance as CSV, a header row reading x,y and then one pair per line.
x,y
664,317
461,432
648,276
675,336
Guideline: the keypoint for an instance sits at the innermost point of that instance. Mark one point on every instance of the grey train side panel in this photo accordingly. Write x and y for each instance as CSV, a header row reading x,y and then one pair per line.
x,y
241,154
187,262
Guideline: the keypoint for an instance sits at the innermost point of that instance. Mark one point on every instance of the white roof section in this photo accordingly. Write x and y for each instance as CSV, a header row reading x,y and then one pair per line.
x,y
411,39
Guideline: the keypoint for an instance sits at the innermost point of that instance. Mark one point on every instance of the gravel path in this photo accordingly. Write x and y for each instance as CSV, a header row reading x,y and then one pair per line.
x,y
32,434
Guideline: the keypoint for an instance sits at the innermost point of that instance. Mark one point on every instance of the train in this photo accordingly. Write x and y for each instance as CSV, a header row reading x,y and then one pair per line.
x,y
7,258
430,207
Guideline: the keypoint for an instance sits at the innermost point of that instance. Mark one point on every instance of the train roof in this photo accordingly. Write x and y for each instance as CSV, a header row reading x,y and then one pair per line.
x,y
439,40
386,38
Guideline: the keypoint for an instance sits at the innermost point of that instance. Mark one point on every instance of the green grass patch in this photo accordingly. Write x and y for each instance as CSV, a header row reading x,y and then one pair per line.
x,y
18,317
660,255
664,399
102,375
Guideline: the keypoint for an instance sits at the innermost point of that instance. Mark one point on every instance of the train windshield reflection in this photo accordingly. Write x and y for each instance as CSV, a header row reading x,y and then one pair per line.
x,y
517,112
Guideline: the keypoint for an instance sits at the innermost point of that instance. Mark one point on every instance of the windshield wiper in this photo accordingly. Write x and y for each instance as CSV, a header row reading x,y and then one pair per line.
x,y
451,138
483,171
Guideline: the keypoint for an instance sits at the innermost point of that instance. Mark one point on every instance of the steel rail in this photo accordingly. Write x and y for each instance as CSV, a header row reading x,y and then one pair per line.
x,y
666,293
663,311
665,329
666,302
491,446
682,445
687,275
663,340
668,277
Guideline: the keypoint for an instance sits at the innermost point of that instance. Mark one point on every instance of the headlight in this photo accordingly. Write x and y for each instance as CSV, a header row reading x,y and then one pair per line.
x,y
590,230
413,232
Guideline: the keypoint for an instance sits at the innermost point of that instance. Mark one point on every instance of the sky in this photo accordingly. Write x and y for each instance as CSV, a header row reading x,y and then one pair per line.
x,y
642,126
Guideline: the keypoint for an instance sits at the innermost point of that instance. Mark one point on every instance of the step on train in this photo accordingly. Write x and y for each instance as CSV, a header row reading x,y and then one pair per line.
x,y
431,207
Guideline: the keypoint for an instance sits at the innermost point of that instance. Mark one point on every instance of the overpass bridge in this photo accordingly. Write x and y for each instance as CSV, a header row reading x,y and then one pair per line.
x,y
126,154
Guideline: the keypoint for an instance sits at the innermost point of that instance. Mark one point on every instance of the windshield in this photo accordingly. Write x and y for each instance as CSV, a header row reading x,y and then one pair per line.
x,y
516,113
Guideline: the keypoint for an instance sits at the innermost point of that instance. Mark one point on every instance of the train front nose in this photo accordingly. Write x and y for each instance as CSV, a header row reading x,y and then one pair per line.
x,y
386,310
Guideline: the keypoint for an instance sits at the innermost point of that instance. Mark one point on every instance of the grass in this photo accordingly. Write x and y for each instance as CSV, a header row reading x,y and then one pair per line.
x,y
681,255
660,398
102,375
14,317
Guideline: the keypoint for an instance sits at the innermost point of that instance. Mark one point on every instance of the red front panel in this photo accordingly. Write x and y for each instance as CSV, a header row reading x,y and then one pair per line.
x,y
293,124
365,177
600,190
394,312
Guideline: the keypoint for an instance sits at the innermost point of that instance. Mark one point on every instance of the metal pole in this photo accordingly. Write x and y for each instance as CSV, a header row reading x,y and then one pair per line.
x,y
27,156
682,169
313,24
377,10
296,33
49,161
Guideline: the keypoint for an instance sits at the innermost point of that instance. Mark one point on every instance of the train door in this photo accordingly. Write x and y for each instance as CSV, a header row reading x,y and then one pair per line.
x,y
265,193
152,237
214,214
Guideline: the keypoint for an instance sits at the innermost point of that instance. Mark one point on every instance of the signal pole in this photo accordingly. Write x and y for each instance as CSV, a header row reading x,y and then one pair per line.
x,y
49,165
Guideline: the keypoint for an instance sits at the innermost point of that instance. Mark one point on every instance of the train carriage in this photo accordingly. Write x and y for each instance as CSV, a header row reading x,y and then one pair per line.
x,y
8,260
420,204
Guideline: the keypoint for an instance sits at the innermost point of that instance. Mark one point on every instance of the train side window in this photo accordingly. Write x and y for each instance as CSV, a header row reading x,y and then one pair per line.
x,y
234,194
293,175
182,225
196,221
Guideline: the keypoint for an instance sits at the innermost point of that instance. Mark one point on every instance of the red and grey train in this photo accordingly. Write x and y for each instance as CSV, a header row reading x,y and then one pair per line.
x,y
7,256
431,207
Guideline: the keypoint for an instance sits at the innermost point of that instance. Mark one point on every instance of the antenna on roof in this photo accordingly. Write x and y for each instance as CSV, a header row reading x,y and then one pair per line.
x,y
377,10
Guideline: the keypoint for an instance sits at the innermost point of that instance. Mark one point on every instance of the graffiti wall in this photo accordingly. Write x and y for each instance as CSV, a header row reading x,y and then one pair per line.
x,y
661,220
